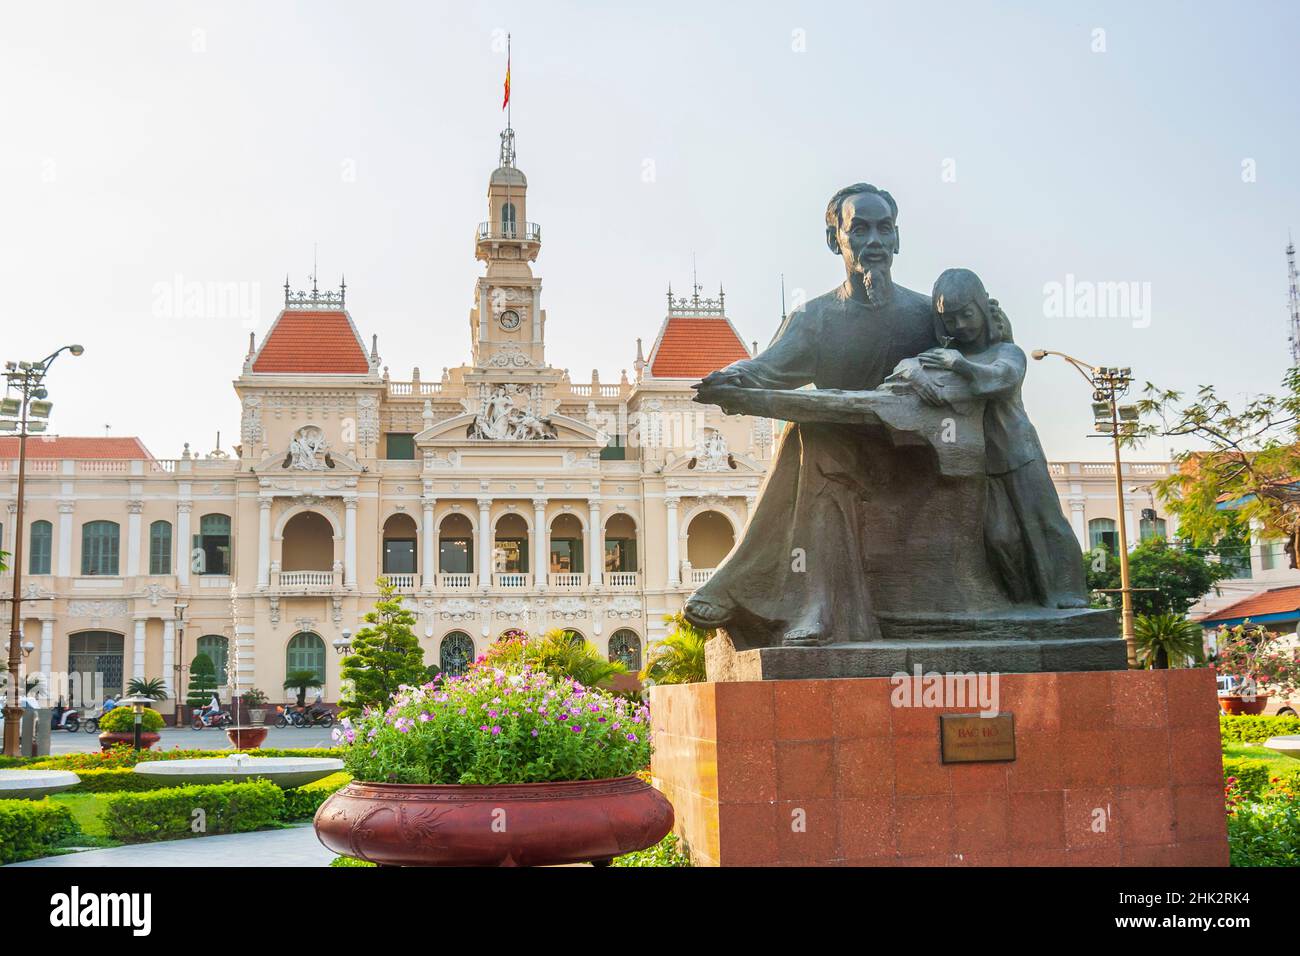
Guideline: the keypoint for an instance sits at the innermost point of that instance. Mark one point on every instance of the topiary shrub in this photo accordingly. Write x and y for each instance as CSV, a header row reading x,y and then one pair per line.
x,y
121,720
199,810
32,828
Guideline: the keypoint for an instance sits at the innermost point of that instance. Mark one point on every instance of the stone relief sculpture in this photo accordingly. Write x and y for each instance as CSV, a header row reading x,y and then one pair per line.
x,y
507,415
908,515
250,430
711,452
308,449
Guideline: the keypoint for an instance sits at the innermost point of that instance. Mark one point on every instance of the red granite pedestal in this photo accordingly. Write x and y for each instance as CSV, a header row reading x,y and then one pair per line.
x,y
1112,768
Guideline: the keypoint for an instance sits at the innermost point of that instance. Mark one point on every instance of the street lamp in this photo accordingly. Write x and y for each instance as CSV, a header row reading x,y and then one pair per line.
x,y
343,645
178,610
1109,418
16,415
137,703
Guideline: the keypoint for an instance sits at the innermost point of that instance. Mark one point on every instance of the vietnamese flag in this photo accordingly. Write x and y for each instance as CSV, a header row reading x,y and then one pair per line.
x,y
506,102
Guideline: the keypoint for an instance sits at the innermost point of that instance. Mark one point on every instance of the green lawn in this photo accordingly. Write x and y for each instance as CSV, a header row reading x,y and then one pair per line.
x,y
1277,763
86,809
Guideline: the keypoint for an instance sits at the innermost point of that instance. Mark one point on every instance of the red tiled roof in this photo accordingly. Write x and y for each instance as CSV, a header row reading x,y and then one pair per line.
x,y
59,446
692,347
1275,601
312,342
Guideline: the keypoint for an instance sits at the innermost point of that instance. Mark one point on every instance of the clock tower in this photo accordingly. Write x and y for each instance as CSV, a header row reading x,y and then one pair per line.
x,y
507,321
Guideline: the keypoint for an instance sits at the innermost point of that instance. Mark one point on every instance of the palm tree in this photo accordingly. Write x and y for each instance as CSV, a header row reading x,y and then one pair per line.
x,y
679,657
1165,638
155,688
300,680
561,655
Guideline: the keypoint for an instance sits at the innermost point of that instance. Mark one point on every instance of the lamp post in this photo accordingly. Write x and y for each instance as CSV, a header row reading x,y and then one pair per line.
x,y
16,415
1117,421
343,645
178,610
137,703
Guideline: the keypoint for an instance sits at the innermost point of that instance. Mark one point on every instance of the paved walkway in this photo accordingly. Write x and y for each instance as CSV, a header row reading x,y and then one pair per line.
x,y
293,847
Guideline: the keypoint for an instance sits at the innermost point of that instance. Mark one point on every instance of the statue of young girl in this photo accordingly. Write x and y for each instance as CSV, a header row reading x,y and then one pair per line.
x,y
1030,546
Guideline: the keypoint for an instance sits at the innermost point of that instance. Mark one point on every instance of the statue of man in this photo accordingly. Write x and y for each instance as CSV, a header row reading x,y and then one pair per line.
x,y
800,575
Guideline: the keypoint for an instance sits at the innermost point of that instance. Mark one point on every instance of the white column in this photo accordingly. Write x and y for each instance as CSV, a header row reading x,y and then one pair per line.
x,y
674,562
1078,524
263,542
183,543
1131,527
133,538
137,652
65,539
427,551
596,545
47,649
350,542
169,655
484,542
540,557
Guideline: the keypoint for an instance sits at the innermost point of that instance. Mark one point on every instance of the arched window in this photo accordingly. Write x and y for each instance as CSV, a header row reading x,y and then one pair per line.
x,y
160,547
399,538
214,541
217,649
1102,534
455,545
620,544
1151,528
508,220
455,653
99,541
709,539
510,556
306,652
566,545
42,541
625,646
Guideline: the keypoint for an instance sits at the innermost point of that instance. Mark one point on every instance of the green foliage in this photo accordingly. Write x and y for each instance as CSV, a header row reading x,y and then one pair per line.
x,y
1179,577
32,828
667,852
254,699
299,681
349,861
115,780
1255,730
557,653
385,655
1250,777
1250,457
679,657
121,720
1264,829
301,803
495,727
1165,639
169,814
1251,652
203,681
155,688
124,757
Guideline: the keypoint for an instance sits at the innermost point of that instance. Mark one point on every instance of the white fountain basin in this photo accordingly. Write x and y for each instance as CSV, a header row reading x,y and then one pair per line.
x,y
1288,745
284,772
34,784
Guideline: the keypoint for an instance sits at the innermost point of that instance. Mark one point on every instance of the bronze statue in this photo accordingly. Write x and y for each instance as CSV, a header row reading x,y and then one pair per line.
x,y
909,499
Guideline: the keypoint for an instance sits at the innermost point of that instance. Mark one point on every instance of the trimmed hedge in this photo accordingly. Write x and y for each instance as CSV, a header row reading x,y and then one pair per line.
x,y
115,780
1255,730
32,828
125,757
170,814
301,803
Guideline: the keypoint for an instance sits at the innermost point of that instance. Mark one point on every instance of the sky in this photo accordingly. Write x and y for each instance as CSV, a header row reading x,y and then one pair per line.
x,y
1060,150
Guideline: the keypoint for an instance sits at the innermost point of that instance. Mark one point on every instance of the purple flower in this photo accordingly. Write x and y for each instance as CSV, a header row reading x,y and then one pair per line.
x,y
632,737
495,731
485,728
534,733
576,729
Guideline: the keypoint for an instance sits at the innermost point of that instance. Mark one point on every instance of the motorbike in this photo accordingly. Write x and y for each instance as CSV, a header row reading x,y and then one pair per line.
x,y
71,721
90,725
320,718
287,717
220,719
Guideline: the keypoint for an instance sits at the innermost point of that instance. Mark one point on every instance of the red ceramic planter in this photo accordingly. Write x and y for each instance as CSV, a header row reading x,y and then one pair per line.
x,y
108,741
246,738
1240,705
529,824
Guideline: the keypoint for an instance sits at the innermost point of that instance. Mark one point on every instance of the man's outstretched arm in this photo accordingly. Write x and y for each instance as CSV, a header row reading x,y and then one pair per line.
x,y
789,362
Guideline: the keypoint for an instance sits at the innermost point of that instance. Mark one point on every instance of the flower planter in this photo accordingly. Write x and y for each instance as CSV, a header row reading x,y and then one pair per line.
x,y
529,824
256,716
246,738
1235,704
108,741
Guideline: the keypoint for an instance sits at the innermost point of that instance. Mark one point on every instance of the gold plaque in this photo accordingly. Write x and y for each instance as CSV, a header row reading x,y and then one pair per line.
x,y
970,738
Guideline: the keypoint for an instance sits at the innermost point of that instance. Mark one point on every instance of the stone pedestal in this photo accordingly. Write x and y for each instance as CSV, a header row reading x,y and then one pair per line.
x,y
1112,768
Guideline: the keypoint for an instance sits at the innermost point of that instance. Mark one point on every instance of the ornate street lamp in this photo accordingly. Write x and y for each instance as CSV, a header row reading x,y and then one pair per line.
x,y
178,610
24,415
137,703
343,645
1117,422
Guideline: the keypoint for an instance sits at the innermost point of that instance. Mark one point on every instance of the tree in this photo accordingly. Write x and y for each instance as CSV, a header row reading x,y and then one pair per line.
x,y
203,681
385,655
1180,577
1167,638
155,688
559,652
679,657
299,681
1251,464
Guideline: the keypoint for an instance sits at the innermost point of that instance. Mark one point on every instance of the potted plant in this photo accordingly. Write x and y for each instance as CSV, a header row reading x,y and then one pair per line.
x,y
498,767
1260,663
255,703
117,727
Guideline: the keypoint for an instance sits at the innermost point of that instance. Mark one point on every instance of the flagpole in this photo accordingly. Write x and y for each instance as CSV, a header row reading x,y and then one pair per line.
x,y
508,124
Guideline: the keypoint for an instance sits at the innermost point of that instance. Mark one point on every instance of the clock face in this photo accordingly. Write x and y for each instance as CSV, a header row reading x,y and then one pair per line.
x,y
509,320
